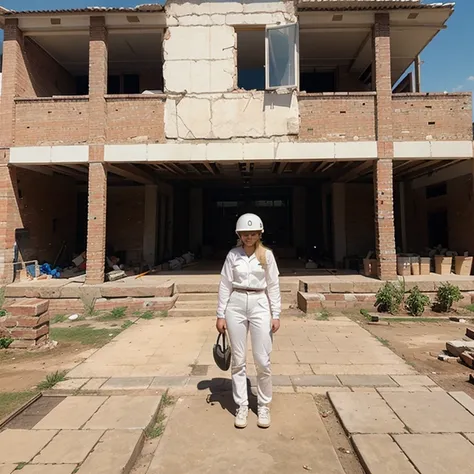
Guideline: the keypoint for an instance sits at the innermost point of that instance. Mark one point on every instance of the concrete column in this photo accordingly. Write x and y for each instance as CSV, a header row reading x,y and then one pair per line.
x,y
13,65
383,171
169,223
339,222
417,74
196,220
403,218
96,224
150,224
9,219
299,217
98,72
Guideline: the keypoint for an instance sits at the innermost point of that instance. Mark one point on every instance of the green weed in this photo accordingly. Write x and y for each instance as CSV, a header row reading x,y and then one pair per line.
x,y
52,379
84,335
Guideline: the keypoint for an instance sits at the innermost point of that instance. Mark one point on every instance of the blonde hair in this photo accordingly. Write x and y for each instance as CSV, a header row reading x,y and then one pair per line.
x,y
260,250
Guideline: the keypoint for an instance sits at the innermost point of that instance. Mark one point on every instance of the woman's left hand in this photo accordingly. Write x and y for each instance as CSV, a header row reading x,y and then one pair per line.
x,y
275,325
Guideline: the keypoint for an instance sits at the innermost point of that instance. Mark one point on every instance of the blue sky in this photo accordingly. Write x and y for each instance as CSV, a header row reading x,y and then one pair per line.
x,y
448,62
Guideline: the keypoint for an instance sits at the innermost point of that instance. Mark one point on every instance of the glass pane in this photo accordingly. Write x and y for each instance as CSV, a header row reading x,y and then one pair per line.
x,y
281,56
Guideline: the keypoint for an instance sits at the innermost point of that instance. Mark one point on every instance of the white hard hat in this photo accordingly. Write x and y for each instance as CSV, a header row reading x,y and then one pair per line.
x,y
249,222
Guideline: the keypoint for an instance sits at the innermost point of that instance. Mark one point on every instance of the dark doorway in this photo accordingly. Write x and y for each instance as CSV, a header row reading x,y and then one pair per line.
x,y
81,240
438,228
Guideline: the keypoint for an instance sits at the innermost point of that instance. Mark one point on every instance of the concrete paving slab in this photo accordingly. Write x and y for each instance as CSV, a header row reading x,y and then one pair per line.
x,y
413,380
48,469
71,384
465,400
402,389
71,414
438,453
470,437
284,448
115,453
374,369
69,447
164,382
321,390
94,384
125,412
18,446
7,468
379,454
315,381
367,380
365,413
430,412
127,383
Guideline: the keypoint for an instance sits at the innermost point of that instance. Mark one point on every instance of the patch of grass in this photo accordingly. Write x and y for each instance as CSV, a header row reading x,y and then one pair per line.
x,y
162,314
383,341
52,379
413,319
158,427
59,318
366,314
10,401
20,466
469,307
84,335
127,324
116,313
5,342
145,314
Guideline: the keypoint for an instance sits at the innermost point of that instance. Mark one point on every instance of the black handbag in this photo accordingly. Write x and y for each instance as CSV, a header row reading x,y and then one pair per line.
x,y
222,352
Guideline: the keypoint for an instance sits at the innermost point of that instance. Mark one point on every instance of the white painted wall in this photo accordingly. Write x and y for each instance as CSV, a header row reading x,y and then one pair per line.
x,y
200,73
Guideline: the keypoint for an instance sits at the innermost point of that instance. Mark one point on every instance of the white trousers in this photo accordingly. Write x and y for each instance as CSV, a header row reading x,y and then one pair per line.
x,y
250,311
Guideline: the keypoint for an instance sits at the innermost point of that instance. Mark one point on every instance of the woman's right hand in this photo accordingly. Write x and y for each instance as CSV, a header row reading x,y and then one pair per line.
x,y
220,325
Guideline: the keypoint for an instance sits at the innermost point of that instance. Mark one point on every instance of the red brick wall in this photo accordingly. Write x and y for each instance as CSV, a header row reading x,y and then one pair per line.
x,y
46,76
48,209
135,118
125,214
360,231
51,121
337,118
432,117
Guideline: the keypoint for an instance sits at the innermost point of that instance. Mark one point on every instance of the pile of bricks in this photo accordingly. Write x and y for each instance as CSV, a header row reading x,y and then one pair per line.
x,y
27,323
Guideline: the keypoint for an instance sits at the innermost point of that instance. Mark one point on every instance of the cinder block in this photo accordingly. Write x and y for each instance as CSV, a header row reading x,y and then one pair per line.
x,y
26,307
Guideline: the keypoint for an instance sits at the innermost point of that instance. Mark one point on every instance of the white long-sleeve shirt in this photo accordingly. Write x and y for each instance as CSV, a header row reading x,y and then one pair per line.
x,y
241,272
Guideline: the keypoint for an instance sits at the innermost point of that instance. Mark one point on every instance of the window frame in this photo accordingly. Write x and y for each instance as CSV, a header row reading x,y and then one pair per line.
x,y
296,84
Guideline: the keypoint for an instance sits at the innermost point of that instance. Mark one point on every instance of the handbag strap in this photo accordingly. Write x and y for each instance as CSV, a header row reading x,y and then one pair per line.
x,y
224,340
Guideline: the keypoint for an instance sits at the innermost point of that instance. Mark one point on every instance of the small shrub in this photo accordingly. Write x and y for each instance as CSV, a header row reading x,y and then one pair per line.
x,y
416,302
88,303
5,342
127,324
118,313
446,296
390,297
3,312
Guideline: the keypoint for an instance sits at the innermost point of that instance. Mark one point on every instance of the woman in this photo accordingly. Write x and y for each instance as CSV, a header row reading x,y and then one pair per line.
x,y
249,298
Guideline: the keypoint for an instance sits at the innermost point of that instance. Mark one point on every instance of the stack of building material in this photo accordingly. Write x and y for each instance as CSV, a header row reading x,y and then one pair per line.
x,y
27,323
464,349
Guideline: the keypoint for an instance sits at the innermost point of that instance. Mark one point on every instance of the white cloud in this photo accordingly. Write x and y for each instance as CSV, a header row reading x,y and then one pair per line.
x,y
458,88
470,78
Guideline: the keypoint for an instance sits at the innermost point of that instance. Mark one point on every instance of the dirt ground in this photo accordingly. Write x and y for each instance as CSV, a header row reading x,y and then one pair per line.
x,y
419,343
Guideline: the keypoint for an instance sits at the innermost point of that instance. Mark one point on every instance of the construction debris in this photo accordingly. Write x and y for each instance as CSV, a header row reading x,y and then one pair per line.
x,y
446,357
116,275
470,333
456,348
468,359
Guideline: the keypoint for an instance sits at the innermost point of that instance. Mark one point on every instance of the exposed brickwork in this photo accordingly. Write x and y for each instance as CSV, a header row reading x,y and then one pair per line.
x,y
47,77
432,117
139,119
98,67
47,208
126,211
27,322
96,223
337,117
383,171
51,121
9,219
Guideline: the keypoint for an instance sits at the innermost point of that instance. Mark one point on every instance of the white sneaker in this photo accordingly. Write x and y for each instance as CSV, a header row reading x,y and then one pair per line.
x,y
241,416
263,417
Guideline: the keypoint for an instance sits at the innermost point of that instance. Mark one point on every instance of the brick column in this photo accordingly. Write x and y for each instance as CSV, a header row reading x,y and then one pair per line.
x,y
97,80
383,170
96,224
97,213
11,83
9,218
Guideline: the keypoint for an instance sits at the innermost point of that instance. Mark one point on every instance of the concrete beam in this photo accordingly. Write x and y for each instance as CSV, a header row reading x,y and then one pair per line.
x,y
131,172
